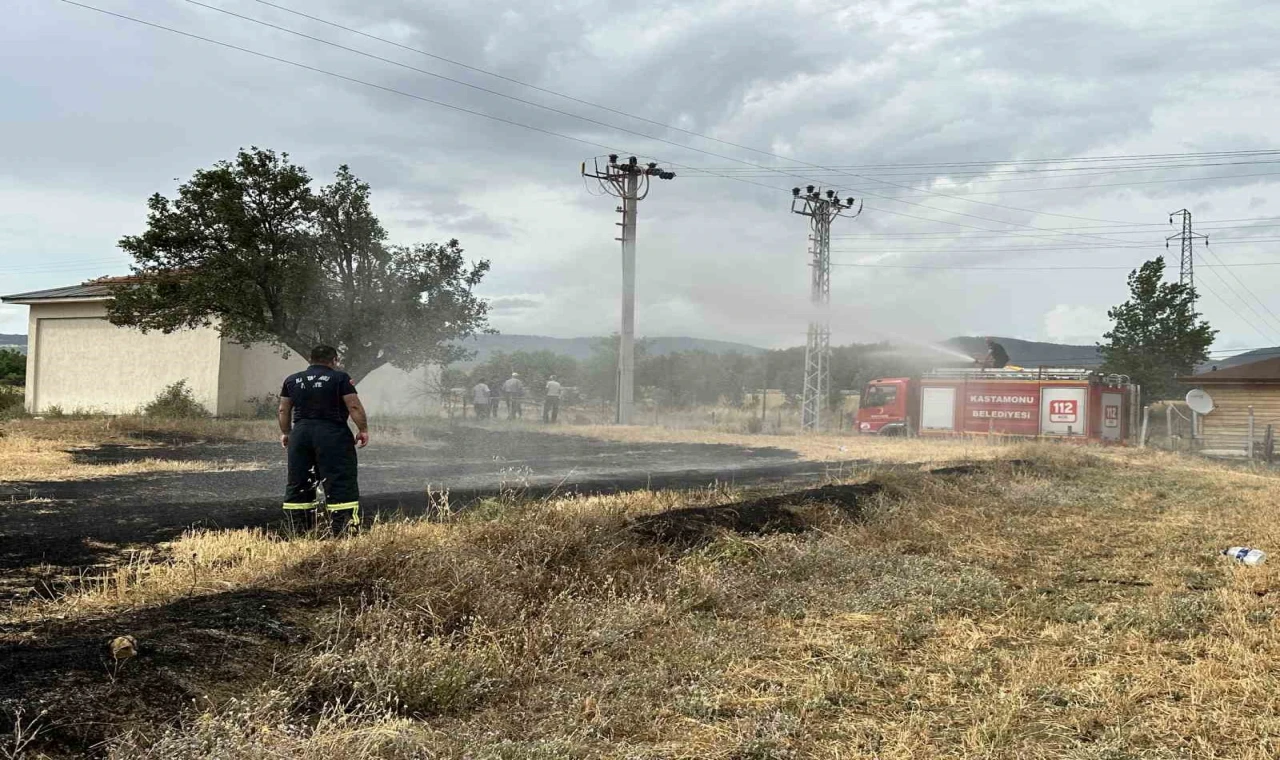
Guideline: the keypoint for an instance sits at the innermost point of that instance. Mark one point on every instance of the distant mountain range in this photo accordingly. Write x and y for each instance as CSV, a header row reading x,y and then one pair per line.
x,y
13,341
1030,353
1233,361
580,348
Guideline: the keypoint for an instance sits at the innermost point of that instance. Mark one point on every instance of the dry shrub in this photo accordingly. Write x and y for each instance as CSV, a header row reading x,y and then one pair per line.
x,y
265,727
11,402
384,659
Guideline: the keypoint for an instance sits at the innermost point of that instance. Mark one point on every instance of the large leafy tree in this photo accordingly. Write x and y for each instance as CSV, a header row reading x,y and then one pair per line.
x,y
1157,334
250,247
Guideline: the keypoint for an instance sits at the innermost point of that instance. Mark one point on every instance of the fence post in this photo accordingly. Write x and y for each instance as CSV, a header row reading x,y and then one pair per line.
x,y
1146,420
1251,431
1168,421
1268,445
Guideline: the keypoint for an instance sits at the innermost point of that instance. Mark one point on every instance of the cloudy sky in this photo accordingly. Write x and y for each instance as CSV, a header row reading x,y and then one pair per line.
x,y
940,115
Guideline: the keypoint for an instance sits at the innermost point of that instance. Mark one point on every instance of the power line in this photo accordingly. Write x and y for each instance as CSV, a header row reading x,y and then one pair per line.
x,y
883,247
945,267
1000,234
550,132
964,177
750,166
59,266
1108,184
1274,320
1077,159
692,133
1252,325
658,139
335,75
432,101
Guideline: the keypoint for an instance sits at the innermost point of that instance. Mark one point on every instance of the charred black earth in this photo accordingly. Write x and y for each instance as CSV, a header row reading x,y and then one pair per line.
x,y
67,525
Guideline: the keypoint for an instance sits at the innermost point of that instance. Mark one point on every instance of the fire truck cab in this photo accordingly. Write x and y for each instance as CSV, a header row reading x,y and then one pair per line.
x,y
883,407
1055,402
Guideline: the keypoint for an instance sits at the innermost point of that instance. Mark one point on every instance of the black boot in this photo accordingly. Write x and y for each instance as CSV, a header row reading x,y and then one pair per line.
x,y
343,522
301,522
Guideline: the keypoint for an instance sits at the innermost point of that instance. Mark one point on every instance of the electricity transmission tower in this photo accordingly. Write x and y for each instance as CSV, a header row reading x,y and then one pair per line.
x,y
628,181
822,209
1186,271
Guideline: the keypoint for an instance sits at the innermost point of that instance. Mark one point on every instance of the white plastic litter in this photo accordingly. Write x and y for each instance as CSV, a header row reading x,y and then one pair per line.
x,y
1245,555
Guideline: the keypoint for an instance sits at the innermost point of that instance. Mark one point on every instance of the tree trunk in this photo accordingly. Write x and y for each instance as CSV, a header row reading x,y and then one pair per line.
x,y
360,369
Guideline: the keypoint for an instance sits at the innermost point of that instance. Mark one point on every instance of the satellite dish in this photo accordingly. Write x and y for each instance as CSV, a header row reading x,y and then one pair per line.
x,y
1199,401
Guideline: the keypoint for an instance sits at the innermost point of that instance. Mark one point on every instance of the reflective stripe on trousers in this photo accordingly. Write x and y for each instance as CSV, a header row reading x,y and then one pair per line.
x,y
354,506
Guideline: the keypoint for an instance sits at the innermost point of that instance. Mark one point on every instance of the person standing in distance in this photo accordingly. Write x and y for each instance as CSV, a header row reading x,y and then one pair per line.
x,y
513,390
315,405
551,406
480,399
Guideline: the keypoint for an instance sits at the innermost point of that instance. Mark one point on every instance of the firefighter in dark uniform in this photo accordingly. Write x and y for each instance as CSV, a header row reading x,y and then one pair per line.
x,y
315,405
996,357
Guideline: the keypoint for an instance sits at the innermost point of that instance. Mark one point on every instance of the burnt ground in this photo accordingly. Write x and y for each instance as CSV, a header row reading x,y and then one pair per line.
x,y
203,648
779,513
48,530
61,678
200,651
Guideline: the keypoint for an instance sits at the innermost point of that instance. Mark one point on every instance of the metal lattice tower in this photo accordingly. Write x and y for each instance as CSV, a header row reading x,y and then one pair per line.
x,y
1187,238
628,181
822,209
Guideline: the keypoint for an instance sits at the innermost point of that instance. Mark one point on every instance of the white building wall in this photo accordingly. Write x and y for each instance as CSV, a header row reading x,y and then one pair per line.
x,y
78,361
29,390
253,372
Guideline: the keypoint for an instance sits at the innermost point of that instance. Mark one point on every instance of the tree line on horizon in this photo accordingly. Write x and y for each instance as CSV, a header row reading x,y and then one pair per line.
x,y
686,379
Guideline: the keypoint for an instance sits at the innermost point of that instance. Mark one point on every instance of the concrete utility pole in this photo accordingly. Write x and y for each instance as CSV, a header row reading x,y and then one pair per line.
x,y
628,181
822,209
1186,271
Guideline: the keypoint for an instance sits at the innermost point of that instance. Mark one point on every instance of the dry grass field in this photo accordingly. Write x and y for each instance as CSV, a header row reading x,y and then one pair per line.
x,y
1052,602
34,450
44,449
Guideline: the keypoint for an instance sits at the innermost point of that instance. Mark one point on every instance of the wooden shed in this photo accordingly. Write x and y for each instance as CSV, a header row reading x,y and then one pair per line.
x,y
1234,392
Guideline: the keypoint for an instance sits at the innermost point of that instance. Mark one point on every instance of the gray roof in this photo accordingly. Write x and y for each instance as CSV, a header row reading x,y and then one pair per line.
x,y
1266,371
85,290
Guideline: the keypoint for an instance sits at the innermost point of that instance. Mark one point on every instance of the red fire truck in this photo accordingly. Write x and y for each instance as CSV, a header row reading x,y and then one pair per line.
x,y
1045,402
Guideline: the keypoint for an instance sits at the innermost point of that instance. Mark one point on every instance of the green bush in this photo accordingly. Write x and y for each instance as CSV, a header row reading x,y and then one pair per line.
x,y
175,402
13,367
